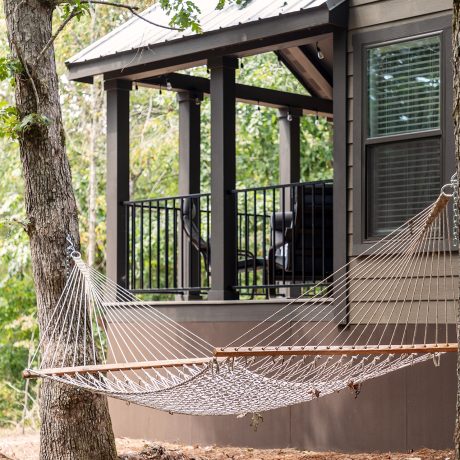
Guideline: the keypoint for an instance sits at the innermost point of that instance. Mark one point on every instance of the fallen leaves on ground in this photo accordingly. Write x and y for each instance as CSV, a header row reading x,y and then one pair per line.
x,y
166,451
14,446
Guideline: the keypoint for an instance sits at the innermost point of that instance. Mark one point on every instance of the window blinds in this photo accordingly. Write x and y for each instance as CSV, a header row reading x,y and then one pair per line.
x,y
403,178
404,87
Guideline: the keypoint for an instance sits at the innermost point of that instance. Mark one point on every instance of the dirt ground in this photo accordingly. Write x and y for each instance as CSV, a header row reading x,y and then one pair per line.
x,y
15,446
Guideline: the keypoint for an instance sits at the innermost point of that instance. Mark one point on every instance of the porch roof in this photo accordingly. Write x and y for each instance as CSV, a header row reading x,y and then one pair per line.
x,y
137,49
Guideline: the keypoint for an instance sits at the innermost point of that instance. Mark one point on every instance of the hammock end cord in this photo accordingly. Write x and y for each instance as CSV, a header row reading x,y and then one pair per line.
x,y
71,254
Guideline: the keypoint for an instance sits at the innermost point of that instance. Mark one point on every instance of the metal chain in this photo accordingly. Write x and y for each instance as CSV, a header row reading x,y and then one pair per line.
x,y
455,220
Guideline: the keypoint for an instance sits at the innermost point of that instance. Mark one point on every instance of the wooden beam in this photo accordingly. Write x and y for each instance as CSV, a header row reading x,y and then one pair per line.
x,y
238,352
116,367
245,93
304,63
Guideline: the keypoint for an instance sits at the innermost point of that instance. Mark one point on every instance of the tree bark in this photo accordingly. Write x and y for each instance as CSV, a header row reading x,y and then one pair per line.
x,y
75,424
456,117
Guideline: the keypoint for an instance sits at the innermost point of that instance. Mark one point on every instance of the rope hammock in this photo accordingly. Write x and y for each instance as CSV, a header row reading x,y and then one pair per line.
x,y
391,307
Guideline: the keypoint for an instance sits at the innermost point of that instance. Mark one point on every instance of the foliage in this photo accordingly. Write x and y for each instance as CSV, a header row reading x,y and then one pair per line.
x,y
183,13
75,9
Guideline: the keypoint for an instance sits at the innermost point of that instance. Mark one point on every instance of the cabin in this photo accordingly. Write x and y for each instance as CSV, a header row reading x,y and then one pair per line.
x,y
380,72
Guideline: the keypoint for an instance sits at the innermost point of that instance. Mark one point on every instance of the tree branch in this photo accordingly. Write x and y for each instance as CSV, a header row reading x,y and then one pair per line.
x,y
54,36
132,9
28,72
22,61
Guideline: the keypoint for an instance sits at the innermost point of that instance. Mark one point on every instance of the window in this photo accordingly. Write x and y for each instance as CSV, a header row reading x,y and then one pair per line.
x,y
402,144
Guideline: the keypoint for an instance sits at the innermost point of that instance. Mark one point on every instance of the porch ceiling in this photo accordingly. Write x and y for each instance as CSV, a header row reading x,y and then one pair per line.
x,y
138,49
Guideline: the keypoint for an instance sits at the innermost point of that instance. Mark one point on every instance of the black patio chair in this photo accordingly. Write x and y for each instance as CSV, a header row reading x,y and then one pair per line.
x,y
190,220
301,241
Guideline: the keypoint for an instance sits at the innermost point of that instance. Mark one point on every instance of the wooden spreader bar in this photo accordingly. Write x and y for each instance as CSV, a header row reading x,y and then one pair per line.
x,y
95,369
238,352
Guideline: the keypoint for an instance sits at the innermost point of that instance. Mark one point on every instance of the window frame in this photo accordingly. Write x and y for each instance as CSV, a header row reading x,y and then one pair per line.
x,y
362,42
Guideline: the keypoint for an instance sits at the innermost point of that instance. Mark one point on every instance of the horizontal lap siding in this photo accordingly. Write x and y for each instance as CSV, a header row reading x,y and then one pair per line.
x,y
366,16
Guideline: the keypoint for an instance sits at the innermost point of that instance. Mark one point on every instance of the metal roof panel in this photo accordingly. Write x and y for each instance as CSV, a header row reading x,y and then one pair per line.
x,y
136,33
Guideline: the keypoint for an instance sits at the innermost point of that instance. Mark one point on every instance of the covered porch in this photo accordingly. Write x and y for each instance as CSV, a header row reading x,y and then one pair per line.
x,y
230,243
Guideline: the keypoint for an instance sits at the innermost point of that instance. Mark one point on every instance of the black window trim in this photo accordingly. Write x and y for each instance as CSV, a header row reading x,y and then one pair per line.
x,y
440,26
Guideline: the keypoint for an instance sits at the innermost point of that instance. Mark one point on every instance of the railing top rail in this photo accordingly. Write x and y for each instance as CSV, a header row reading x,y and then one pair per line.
x,y
278,186
166,198
241,190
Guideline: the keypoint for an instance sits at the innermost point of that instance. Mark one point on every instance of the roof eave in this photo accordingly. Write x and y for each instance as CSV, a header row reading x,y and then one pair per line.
x,y
196,48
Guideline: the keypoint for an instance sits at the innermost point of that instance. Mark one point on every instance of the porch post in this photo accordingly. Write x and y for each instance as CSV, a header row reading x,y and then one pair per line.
x,y
289,162
340,157
223,177
117,177
189,179
289,150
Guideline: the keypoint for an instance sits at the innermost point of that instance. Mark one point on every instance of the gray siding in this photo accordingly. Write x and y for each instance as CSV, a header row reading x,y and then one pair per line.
x,y
370,16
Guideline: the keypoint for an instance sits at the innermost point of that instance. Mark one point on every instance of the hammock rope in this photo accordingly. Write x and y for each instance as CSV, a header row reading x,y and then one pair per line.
x,y
392,306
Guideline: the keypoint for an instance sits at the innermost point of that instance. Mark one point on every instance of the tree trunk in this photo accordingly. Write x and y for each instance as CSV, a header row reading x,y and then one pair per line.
x,y
75,424
456,116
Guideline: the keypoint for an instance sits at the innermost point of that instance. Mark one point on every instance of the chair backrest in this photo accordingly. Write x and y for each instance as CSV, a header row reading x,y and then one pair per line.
x,y
190,213
312,249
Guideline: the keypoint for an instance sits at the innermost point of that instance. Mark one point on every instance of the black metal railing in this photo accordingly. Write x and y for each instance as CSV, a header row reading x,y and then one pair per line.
x,y
284,241
168,244
284,237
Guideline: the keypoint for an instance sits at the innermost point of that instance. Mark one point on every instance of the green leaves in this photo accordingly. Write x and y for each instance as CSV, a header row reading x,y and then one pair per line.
x,y
184,14
8,120
9,68
75,8
12,126
30,121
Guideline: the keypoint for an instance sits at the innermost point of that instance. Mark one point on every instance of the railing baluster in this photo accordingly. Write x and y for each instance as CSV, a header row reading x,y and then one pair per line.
x,y
141,245
264,242
174,244
158,244
284,252
133,248
323,228
274,239
312,232
166,244
198,269
150,245
246,238
293,252
181,210
254,248
302,241
208,232
128,245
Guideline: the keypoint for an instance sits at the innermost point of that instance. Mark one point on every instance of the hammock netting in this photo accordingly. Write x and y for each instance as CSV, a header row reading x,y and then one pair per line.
x,y
391,307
